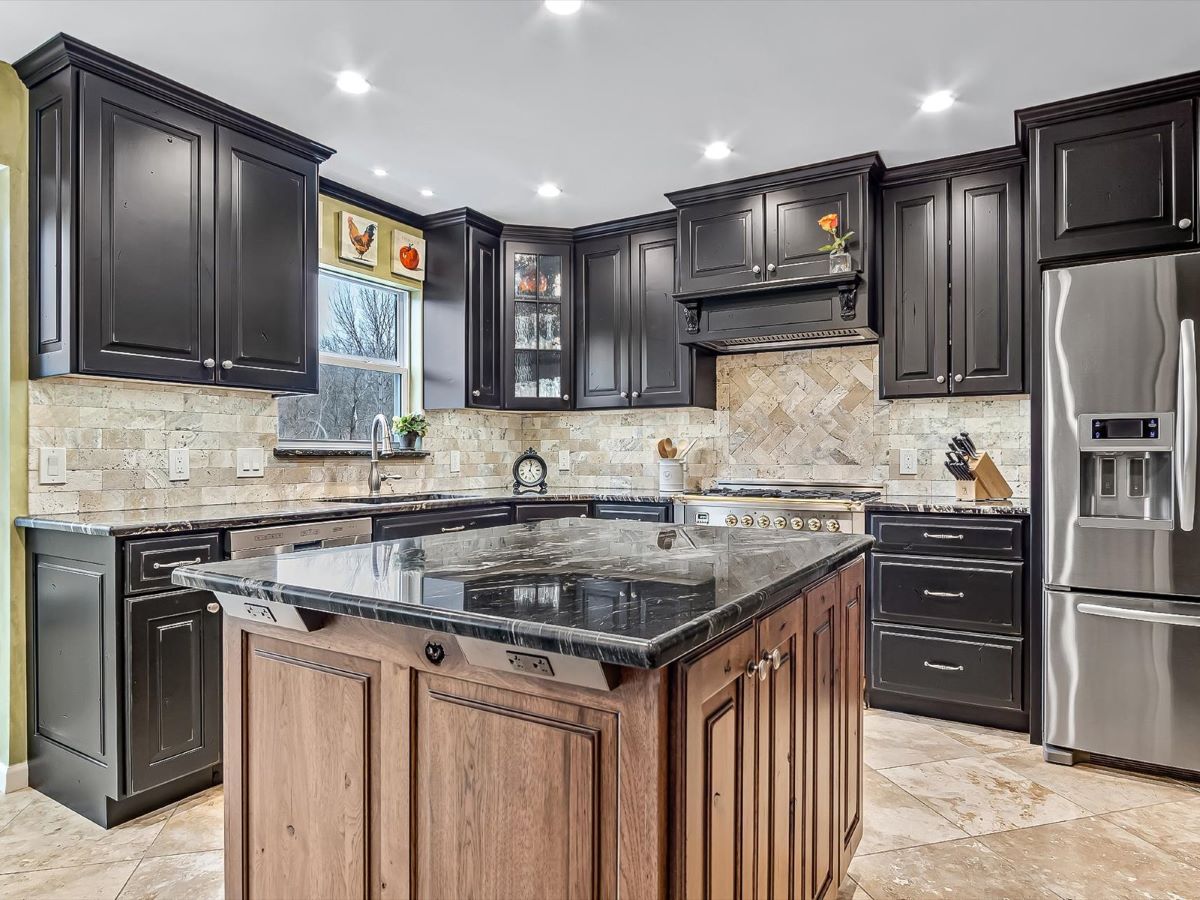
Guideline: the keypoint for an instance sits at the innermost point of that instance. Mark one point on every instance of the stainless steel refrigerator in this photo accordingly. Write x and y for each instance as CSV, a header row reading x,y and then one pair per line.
x,y
1122,548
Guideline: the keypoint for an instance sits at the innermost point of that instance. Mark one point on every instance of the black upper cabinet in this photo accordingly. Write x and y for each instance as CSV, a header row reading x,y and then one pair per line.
x,y
1118,183
173,237
267,266
793,235
602,321
953,309
462,311
537,324
721,244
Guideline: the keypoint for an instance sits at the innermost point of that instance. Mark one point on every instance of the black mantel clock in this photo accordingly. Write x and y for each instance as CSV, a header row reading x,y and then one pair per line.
x,y
529,473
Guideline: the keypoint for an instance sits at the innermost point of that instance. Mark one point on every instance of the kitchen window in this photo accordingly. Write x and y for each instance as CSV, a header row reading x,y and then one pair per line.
x,y
364,364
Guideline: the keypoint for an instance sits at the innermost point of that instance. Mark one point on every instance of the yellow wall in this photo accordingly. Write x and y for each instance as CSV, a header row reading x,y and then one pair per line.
x,y
14,410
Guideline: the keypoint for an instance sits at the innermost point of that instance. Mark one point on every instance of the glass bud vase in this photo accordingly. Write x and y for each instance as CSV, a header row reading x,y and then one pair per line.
x,y
839,263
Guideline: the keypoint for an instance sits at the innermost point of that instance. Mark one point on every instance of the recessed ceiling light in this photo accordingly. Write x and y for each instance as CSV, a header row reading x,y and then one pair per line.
x,y
563,7
548,189
717,150
938,101
426,192
379,172
352,83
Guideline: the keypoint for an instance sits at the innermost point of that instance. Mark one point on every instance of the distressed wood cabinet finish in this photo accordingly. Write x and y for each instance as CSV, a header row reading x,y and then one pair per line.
x,y
733,773
721,244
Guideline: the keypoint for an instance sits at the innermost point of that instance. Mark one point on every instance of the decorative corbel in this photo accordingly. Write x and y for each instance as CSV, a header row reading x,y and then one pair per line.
x,y
848,293
691,318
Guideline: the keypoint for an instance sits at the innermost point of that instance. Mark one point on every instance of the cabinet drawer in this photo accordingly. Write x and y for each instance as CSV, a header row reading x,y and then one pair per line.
x,y
639,512
944,665
950,535
445,521
150,561
948,593
538,512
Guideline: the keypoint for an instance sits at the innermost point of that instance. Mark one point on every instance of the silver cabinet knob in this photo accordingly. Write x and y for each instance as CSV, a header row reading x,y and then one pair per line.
x,y
213,607
475,393
210,363
636,395
1185,223
756,270
624,395
957,378
566,396
770,267
226,364
941,379
776,659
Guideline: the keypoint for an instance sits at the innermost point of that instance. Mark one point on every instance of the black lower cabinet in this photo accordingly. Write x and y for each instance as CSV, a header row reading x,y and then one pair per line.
x,y
441,521
124,692
637,512
539,512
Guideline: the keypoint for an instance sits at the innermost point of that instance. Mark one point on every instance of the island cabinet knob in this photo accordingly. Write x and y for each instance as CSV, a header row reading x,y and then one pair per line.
x,y
751,668
435,653
776,659
764,667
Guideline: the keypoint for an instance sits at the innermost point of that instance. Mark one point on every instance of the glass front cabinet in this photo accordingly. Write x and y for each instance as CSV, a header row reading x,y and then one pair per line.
x,y
537,325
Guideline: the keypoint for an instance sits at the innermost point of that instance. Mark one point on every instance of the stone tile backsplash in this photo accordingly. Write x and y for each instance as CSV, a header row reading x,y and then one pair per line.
x,y
808,414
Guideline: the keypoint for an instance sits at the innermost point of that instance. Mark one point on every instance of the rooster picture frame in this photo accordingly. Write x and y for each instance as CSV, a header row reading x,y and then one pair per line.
x,y
359,239
408,255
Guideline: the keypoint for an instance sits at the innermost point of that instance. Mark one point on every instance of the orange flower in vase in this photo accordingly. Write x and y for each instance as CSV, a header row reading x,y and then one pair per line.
x,y
839,259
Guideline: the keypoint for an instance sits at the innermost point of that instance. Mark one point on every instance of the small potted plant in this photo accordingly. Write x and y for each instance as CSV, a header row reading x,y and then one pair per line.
x,y
839,259
409,430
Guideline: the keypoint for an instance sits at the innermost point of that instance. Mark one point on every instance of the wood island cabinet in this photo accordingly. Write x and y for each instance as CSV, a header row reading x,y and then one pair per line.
x,y
734,772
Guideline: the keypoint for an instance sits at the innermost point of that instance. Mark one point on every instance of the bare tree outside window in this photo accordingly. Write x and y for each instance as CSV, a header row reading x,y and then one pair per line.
x,y
363,364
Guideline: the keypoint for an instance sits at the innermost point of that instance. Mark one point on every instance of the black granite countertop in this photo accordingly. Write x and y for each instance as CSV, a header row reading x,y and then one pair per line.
x,y
628,593
133,522
948,505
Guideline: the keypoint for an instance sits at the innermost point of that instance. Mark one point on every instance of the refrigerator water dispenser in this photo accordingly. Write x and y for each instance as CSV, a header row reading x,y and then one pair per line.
x,y
1126,470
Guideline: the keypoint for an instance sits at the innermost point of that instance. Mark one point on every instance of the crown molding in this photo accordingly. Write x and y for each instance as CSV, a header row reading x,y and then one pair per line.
x,y
866,163
953,166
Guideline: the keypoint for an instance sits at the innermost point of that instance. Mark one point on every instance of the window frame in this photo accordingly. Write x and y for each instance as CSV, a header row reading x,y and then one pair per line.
x,y
404,327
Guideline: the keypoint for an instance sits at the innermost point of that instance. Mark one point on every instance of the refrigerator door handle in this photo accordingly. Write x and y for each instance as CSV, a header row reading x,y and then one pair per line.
x,y
1185,426
1138,615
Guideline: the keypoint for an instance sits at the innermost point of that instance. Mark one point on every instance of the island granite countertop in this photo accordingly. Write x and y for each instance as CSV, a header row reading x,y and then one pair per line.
x,y
628,593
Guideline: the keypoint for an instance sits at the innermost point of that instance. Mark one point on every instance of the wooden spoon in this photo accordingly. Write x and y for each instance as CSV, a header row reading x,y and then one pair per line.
x,y
666,449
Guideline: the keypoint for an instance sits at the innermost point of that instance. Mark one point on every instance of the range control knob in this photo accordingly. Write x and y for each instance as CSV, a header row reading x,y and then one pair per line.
x,y
833,525
797,522
780,522
814,524
731,519
747,521
764,521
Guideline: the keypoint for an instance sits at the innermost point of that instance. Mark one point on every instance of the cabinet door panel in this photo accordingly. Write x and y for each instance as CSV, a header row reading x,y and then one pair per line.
x,y
986,268
267,265
793,235
720,243
484,287
538,330
661,367
1117,183
543,768
146,226
173,662
719,793
850,808
602,322
915,347
823,714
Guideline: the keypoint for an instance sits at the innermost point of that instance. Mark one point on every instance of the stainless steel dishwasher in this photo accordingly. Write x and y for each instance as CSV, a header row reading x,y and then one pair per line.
x,y
276,539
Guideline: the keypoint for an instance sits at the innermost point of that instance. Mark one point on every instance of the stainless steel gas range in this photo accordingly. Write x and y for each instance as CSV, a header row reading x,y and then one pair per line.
x,y
788,505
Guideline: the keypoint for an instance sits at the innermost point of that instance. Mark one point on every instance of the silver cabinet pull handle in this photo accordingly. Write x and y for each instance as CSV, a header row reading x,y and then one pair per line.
x,y
941,536
942,667
947,594
210,363
175,565
1186,426
1139,615
446,528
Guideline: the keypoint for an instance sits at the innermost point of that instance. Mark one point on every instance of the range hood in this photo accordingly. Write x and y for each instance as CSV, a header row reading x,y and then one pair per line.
x,y
831,311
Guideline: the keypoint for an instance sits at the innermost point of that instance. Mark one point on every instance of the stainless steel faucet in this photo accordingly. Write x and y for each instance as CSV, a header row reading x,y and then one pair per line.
x,y
379,425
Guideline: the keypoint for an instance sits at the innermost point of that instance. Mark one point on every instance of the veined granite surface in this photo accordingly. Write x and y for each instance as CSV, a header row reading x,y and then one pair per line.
x,y
628,593
946,505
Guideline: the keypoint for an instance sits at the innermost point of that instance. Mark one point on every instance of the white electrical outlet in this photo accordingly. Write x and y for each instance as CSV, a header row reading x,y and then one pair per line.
x,y
52,465
178,466
564,460
250,462
455,462
908,462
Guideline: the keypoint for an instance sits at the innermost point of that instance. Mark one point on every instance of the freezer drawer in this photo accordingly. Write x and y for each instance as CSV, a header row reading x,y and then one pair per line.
x,y
1121,677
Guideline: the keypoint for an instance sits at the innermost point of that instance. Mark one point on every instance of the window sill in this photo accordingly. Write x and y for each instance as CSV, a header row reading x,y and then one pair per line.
x,y
343,453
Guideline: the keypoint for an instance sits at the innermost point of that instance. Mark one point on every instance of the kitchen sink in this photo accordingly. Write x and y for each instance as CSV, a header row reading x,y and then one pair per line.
x,y
401,498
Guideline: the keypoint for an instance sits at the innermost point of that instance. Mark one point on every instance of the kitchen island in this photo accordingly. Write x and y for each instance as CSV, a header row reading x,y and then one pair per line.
x,y
567,708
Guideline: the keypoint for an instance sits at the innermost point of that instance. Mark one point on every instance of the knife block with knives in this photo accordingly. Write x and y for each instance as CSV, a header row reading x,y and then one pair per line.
x,y
976,476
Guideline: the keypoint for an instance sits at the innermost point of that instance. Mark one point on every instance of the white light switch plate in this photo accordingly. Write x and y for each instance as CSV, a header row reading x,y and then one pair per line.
x,y
564,460
52,465
178,465
250,462
908,462
455,462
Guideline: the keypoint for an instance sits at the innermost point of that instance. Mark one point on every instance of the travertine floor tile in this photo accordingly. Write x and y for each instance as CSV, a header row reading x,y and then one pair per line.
x,y
99,882
893,818
198,823
983,739
957,869
851,890
1173,827
892,741
11,804
186,876
981,796
1098,789
1091,858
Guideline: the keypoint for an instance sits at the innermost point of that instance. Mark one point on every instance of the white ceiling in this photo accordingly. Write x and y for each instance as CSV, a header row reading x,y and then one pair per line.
x,y
482,101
